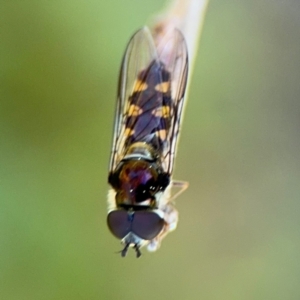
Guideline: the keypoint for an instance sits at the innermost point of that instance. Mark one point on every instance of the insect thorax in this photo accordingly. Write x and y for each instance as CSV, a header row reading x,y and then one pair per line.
x,y
138,177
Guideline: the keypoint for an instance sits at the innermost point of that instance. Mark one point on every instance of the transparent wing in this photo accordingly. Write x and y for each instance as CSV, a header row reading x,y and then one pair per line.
x,y
139,55
173,54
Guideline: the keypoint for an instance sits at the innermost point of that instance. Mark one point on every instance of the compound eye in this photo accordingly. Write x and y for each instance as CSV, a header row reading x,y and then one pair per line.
x,y
147,224
144,224
119,223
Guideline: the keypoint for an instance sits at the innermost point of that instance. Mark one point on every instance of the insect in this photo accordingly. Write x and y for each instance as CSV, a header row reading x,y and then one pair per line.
x,y
150,100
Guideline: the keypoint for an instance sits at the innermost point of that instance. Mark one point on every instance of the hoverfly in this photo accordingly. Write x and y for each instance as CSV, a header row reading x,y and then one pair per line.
x,y
151,91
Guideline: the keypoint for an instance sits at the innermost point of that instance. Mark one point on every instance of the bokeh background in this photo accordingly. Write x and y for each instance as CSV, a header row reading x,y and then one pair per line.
x,y
238,236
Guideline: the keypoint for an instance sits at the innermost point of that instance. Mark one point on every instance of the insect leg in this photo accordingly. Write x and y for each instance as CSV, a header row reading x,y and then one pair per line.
x,y
171,220
182,185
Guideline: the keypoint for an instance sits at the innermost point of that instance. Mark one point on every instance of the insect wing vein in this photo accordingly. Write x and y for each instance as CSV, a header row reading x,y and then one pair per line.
x,y
140,52
172,52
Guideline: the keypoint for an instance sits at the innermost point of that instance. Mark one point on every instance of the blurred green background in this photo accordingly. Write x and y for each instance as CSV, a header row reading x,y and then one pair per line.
x,y
238,235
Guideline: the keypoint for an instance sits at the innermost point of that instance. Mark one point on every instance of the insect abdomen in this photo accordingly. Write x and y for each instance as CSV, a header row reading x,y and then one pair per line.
x,y
150,106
